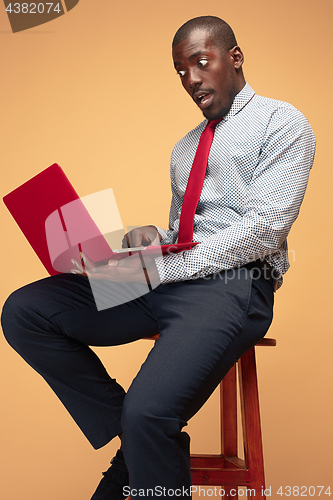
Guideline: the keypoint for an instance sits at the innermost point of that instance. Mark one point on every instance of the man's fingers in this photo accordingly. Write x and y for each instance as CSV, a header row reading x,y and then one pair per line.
x,y
123,270
126,243
137,238
77,265
75,271
141,236
86,263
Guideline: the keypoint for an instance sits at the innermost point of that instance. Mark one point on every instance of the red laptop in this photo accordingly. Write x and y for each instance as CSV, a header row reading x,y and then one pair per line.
x,y
58,225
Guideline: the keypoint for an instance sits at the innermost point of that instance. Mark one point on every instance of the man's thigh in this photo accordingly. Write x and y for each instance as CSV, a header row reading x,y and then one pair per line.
x,y
64,304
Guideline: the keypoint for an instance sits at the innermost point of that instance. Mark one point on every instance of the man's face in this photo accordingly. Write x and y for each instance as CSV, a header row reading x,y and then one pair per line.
x,y
209,74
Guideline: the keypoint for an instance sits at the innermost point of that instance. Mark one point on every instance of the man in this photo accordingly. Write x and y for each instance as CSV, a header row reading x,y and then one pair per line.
x,y
210,307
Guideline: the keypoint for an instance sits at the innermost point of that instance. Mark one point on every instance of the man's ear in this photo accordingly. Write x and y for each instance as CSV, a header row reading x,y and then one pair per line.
x,y
237,57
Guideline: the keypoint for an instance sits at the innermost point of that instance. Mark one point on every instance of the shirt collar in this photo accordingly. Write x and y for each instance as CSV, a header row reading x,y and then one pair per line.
x,y
241,99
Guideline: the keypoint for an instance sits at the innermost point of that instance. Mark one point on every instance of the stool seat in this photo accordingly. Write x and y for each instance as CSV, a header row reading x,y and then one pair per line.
x,y
227,470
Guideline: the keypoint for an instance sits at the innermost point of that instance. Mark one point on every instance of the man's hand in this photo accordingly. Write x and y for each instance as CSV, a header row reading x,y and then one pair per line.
x,y
127,270
142,237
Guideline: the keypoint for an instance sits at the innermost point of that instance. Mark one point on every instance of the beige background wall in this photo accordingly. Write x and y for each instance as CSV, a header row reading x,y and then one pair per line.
x,y
95,91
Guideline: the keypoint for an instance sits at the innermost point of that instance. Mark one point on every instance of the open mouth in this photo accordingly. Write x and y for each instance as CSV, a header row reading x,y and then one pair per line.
x,y
203,99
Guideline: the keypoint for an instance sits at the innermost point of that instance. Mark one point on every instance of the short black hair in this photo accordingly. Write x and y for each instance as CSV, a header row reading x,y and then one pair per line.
x,y
220,32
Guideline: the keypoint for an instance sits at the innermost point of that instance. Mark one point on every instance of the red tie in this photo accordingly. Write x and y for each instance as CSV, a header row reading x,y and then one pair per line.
x,y
195,183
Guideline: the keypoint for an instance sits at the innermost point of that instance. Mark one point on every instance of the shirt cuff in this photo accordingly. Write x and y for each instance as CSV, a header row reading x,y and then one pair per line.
x,y
171,268
167,237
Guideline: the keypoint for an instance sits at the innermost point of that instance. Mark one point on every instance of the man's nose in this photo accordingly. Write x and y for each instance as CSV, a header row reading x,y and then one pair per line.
x,y
194,78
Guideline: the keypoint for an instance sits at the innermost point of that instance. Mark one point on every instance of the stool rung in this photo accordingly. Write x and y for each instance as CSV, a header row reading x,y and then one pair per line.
x,y
237,462
201,461
220,477
218,470
210,461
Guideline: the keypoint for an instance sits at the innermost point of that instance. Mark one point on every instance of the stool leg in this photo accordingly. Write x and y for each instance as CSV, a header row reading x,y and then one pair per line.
x,y
228,402
251,422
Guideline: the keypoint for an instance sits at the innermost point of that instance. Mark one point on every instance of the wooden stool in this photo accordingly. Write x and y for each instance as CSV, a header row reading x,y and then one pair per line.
x,y
227,470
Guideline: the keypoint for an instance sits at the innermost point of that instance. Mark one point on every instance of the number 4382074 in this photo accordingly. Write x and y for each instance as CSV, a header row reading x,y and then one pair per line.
x,y
34,8
304,491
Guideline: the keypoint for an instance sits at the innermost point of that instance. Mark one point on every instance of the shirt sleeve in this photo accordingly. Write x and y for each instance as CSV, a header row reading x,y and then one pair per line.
x,y
272,204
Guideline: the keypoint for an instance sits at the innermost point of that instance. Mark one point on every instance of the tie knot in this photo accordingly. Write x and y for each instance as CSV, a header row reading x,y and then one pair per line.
x,y
213,123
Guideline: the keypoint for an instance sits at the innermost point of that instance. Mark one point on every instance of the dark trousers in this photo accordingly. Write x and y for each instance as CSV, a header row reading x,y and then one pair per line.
x,y
205,325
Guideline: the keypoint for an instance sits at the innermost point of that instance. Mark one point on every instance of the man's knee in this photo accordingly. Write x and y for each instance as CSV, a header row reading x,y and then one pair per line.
x,y
14,315
135,413
142,415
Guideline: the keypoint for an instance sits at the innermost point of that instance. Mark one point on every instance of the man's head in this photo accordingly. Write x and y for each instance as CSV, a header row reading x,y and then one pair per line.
x,y
209,62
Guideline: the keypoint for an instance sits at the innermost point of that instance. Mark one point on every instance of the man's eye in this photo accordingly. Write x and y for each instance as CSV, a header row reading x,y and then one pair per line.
x,y
202,63
181,72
